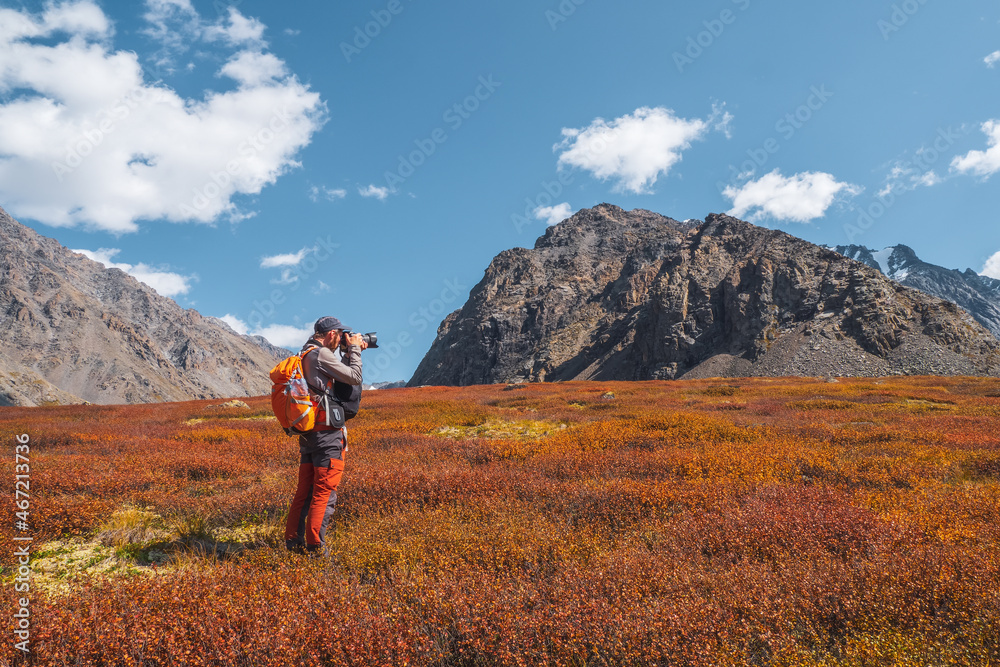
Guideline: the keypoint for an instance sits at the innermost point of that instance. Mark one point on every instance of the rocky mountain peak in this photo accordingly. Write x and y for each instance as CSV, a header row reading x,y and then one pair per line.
x,y
632,295
608,228
72,330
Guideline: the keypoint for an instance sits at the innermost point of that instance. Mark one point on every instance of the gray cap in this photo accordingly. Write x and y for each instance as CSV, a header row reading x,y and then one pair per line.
x,y
329,323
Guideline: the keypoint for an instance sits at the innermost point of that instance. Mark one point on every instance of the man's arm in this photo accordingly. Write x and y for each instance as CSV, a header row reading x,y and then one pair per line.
x,y
349,372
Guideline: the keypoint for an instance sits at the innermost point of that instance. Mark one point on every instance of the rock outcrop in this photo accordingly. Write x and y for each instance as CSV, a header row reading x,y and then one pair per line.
x,y
74,331
978,295
610,294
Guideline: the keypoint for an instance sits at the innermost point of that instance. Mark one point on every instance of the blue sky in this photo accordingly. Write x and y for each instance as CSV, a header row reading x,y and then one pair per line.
x,y
271,163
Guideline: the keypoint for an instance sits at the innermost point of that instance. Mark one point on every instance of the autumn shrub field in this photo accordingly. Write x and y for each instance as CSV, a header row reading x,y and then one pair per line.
x,y
792,521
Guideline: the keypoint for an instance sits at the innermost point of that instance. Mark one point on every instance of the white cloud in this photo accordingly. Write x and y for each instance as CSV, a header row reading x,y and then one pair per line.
x,y
239,30
254,68
331,194
288,277
553,214
799,198
171,22
288,259
96,144
905,177
991,268
164,282
83,18
374,191
928,179
236,324
635,149
992,59
176,25
320,287
982,163
721,120
282,335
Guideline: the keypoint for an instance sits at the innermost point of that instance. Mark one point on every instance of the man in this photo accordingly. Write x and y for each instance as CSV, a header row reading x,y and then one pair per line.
x,y
321,462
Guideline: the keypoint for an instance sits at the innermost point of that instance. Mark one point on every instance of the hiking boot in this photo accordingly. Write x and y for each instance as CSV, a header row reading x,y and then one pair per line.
x,y
295,546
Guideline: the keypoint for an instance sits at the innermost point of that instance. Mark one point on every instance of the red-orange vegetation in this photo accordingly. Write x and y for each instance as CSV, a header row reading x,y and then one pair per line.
x,y
740,522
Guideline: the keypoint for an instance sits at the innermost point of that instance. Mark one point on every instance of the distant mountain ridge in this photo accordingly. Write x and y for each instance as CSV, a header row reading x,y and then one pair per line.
x,y
610,294
73,331
389,384
978,295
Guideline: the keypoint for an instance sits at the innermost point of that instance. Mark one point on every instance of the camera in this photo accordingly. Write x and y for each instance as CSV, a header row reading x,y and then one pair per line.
x,y
370,338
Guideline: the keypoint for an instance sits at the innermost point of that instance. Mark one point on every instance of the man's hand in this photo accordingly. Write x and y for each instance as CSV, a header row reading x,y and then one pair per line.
x,y
356,339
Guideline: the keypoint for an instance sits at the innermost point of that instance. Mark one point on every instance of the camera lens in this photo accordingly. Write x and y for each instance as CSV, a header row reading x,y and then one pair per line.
x,y
370,338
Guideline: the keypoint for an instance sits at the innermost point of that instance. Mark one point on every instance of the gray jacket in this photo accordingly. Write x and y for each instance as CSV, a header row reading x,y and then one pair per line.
x,y
321,369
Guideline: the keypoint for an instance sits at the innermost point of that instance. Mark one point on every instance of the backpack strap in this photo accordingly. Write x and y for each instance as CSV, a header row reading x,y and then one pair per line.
x,y
323,396
302,355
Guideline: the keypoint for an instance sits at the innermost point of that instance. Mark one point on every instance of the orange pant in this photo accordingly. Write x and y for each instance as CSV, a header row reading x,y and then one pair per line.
x,y
313,504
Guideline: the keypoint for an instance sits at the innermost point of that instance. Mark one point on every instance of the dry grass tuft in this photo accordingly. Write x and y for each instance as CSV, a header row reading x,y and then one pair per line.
x,y
524,429
132,525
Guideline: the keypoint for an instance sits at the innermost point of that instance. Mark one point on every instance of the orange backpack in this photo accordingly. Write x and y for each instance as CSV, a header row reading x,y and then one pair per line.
x,y
291,400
